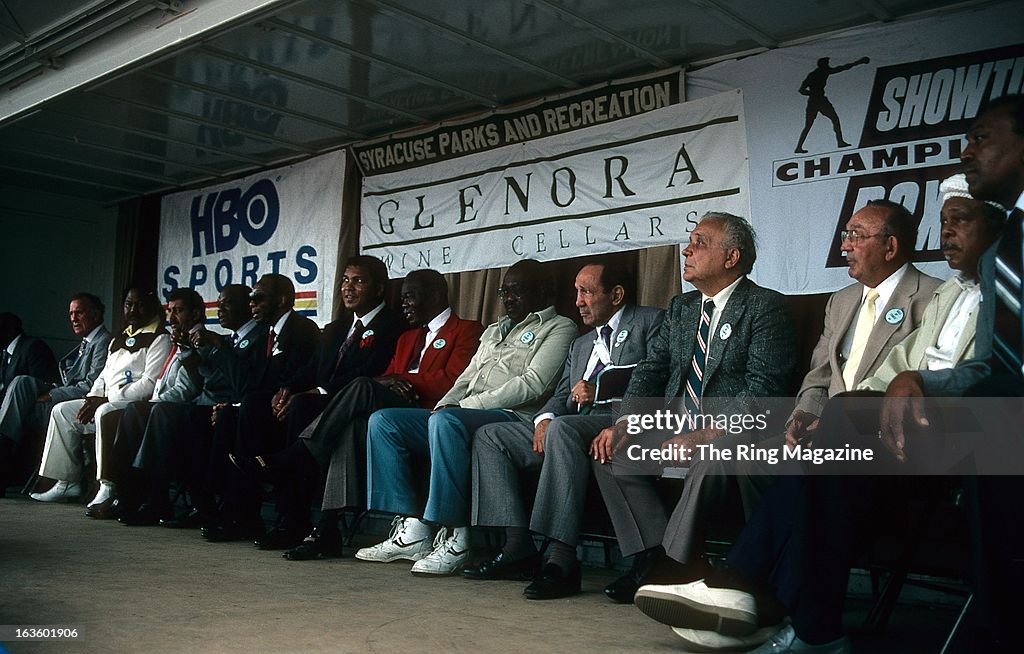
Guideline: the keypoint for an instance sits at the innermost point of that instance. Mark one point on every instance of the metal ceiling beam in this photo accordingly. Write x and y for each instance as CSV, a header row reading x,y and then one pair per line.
x,y
212,90
310,81
137,44
737,22
381,61
159,136
76,180
77,140
651,57
409,15
876,9
26,152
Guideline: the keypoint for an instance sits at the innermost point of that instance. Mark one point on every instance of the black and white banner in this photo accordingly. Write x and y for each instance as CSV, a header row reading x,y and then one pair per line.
x,y
285,221
878,112
636,182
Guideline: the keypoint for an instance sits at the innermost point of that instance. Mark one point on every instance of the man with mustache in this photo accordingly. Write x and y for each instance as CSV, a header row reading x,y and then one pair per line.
x,y
813,555
133,365
332,448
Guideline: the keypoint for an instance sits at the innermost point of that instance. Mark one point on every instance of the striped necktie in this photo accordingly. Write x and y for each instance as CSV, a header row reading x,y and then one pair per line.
x,y
695,378
1006,341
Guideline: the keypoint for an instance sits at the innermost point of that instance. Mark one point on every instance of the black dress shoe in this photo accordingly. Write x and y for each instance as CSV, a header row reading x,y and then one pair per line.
x,y
232,530
279,538
108,509
624,588
255,468
500,567
195,518
145,515
318,545
552,583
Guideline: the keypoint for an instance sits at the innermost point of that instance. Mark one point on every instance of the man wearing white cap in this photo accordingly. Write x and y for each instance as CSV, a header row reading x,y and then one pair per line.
x,y
805,566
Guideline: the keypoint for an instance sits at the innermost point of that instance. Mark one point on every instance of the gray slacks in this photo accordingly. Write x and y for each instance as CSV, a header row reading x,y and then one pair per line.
x,y
502,451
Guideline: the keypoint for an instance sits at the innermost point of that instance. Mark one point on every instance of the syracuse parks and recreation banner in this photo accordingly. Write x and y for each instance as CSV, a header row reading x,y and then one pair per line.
x,y
638,182
284,220
878,112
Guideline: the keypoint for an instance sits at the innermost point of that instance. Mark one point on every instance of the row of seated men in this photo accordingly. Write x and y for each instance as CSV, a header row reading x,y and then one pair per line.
x,y
449,416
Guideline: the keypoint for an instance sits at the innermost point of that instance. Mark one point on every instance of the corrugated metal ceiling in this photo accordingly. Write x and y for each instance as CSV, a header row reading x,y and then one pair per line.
x,y
300,78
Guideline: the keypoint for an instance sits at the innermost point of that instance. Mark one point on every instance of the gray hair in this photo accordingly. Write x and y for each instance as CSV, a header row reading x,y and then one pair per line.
x,y
739,234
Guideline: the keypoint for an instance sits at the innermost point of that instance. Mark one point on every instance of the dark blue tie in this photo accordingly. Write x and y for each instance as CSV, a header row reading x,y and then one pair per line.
x,y
695,378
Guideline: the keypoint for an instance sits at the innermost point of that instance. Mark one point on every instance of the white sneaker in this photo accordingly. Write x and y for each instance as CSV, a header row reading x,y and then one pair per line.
x,y
786,642
697,606
450,553
62,491
402,544
105,492
696,640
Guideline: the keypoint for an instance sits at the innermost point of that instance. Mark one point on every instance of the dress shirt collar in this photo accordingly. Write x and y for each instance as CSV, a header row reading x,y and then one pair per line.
x,y
368,317
963,282
438,321
721,298
279,325
13,344
887,287
505,323
613,322
95,331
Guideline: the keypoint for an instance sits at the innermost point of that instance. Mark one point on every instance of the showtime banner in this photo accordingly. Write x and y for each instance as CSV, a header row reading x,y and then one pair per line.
x,y
639,182
876,113
284,221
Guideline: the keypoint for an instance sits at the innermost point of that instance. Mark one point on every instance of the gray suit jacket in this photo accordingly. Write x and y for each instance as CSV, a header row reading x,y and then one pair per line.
x,y
825,376
640,326
81,372
756,360
176,384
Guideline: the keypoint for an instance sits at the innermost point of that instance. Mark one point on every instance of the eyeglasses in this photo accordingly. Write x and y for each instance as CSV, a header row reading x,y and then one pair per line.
x,y
513,290
853,236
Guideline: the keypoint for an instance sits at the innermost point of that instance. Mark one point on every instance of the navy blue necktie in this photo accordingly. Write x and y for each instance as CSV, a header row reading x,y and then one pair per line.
x,y
695,378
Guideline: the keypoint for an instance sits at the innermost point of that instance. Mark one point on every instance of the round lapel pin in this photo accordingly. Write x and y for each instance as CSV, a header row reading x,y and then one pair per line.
x,y
894,316
620,338
725,331
244,344
368,333
130,341
527,337
439,343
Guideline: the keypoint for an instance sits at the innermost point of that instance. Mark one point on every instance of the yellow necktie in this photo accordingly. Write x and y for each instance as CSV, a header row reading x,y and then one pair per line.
x,y
865,322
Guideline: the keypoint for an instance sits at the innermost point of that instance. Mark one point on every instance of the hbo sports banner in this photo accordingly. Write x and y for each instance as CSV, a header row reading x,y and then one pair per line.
x,y
285,221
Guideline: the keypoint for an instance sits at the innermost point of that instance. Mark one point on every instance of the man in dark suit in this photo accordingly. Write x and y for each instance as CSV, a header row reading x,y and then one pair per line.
x,y
27,399
556,445
177,436
21,354
261,381
862,324
360,343
720,348
426,362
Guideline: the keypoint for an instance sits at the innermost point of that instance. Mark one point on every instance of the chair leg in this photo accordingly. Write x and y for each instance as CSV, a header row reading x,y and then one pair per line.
x,y
956,625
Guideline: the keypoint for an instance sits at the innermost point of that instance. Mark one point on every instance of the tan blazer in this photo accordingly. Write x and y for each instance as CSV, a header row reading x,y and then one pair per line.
x,y
909,353
825,377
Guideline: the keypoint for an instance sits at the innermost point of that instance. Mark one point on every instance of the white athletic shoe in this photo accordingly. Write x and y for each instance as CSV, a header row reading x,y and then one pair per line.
x,y
402,544
62,491
450,553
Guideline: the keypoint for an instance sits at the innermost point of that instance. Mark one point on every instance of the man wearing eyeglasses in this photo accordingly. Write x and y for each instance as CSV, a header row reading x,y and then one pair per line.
x,y
514,370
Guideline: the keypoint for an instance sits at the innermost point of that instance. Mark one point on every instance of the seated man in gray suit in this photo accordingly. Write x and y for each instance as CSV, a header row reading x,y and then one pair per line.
x,y
26,406
557,443
720,348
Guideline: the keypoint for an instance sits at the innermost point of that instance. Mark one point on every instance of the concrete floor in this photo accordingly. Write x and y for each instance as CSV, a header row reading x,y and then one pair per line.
x,y
157,590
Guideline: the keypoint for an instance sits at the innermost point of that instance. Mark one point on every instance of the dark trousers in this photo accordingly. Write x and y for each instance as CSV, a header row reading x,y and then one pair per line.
x,y
176,445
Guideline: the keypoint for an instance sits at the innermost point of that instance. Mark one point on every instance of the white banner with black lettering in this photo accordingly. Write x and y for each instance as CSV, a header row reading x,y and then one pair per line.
x,y
285,221
638,182
875,113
